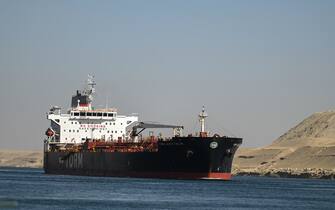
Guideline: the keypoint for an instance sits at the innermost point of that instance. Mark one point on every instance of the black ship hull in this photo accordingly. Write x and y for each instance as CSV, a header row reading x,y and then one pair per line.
x,y
179,158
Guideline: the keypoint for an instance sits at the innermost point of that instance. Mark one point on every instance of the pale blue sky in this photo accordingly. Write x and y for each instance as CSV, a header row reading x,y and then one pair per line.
x,y
259,67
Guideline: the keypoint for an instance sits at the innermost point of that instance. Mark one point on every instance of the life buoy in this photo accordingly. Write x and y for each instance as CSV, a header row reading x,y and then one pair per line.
x,y
49,132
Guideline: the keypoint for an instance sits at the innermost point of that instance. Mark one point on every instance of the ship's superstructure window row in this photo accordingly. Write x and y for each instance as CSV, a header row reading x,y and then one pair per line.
x,y
93,114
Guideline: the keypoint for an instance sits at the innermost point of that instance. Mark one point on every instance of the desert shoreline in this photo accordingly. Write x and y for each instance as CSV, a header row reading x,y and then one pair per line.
x,y
307,173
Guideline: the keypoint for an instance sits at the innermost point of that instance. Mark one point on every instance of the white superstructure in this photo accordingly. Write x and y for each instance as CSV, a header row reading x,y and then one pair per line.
x,y
83,122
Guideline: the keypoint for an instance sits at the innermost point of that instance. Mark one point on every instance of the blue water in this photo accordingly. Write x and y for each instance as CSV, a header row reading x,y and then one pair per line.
x,y
31,189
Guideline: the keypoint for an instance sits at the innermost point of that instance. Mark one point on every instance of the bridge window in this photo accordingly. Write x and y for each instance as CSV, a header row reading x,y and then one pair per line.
x,y
105,114
83,114
94,114
89,114
76,114
110,114
99,114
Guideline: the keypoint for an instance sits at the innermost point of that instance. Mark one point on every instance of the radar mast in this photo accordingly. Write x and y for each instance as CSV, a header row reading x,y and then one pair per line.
x,y
90,90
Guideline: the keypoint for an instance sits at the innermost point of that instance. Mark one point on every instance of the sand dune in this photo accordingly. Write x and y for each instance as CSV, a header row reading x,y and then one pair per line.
x,y
30,159
308,146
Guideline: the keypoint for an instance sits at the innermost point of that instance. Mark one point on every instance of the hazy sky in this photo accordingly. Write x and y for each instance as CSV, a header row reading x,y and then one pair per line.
x,y
259,67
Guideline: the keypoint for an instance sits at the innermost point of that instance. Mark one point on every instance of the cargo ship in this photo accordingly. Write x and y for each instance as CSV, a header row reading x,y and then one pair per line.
x,y
100,142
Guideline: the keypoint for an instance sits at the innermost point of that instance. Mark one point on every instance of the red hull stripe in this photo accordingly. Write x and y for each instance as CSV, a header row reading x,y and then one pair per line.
x,y
224,176
83,105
